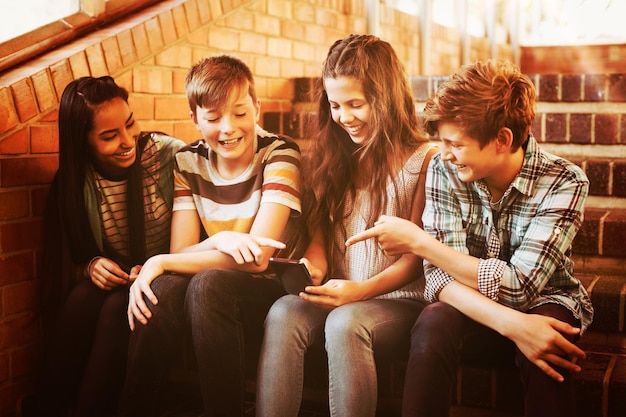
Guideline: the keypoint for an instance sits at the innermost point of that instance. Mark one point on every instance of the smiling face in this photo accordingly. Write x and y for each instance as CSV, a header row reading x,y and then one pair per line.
x,y
230,130
472,162
349,107
496,163
113,140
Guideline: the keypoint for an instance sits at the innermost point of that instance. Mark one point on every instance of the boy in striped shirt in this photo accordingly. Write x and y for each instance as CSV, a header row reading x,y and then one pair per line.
x,y
239,186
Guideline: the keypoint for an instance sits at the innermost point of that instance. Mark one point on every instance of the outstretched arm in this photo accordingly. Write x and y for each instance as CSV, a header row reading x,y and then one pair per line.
x,y
398,236
248,252
539,338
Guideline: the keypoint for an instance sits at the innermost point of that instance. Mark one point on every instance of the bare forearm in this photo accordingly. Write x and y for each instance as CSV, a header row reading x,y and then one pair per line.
x,y
405,270
478,307
205,245
196,261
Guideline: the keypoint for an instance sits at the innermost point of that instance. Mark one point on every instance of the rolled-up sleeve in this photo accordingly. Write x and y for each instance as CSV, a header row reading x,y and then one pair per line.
x,y
490,273
441,219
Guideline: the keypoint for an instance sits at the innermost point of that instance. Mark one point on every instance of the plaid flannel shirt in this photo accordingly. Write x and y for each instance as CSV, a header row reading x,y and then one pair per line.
x,y
524,242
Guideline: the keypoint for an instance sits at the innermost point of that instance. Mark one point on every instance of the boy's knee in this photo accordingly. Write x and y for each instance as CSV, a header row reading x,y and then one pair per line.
x,y
438,323
215,281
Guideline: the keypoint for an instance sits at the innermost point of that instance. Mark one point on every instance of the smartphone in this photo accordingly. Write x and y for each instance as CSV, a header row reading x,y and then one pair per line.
x,y
292,273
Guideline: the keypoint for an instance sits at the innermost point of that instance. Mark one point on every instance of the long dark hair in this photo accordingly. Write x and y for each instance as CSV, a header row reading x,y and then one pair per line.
x,y
334,162
76,117
67,238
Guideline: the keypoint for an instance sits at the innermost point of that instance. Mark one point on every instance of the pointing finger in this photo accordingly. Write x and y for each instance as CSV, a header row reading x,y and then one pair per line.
x,y
364,235
266,241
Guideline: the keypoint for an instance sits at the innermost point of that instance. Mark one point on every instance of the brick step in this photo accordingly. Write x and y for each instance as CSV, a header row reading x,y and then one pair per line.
x,y
600,389
607,294
551,88
605,165
601,236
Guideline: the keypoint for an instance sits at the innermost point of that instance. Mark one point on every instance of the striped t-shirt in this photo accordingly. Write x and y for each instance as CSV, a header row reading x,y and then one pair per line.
x,y
115,215
232,204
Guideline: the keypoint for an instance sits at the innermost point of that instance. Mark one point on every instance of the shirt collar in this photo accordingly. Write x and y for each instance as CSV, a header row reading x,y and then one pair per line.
x,y
526,179
533,168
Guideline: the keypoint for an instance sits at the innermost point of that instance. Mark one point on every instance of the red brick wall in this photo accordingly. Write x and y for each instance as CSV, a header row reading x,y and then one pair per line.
x,y
149,53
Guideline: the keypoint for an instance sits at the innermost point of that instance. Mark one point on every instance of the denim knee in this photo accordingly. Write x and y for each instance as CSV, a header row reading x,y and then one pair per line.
x,y
292,315
170,291
214,284
291,319
206,280
281,312
343,323
437,326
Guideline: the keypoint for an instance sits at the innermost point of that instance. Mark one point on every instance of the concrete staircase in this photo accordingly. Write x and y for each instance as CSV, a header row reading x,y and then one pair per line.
x,y
582,118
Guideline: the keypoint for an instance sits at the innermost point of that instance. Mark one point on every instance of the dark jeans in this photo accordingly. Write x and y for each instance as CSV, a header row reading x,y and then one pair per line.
x,y
439,336
225,311
84,364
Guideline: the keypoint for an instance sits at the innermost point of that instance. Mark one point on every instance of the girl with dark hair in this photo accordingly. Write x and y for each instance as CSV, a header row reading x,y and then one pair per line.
x,y
368,159
109,209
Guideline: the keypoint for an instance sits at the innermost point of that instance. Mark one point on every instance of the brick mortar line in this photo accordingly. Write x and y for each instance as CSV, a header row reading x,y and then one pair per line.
x,y
568,107
611,177
601,231
622,294
592,285
581,107
606,381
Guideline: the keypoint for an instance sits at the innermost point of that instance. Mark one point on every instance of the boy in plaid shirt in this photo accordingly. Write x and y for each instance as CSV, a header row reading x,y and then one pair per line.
x,y
499,221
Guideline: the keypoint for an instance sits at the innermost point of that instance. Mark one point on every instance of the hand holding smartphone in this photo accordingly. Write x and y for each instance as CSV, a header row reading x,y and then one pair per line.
x,y
292,273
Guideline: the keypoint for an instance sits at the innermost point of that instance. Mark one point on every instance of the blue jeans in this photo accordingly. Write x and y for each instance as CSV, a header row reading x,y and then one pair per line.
x,y
351,333
224,312
439,335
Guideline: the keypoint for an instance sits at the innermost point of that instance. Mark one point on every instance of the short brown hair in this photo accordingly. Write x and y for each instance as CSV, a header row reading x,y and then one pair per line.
x,y
210,81
483,98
